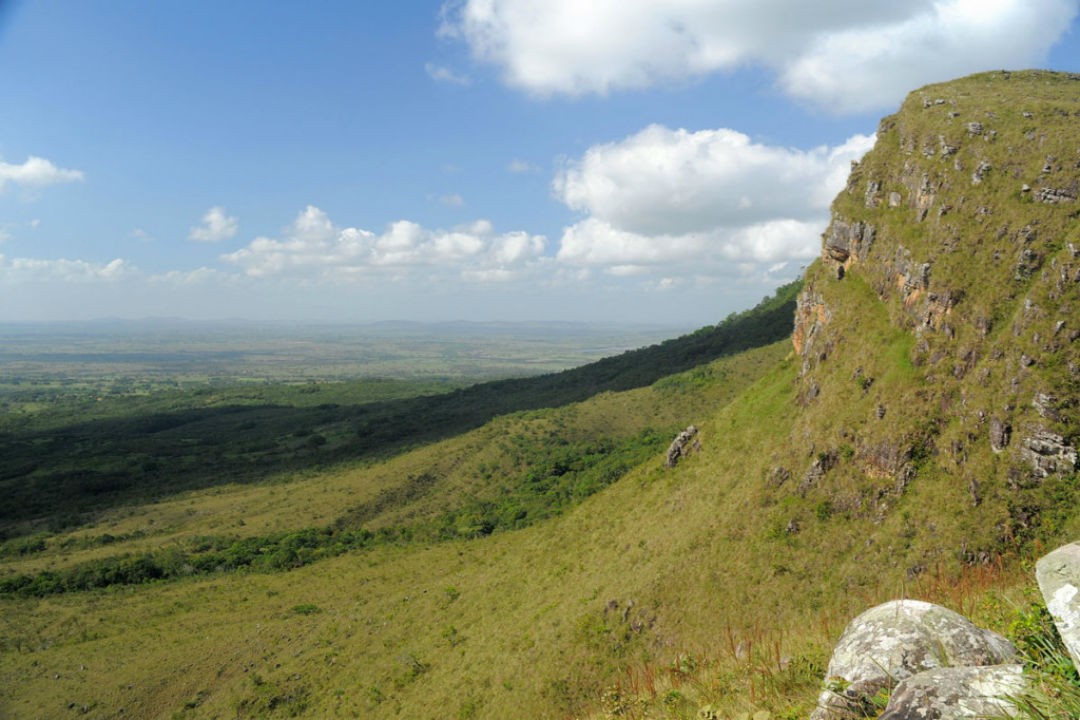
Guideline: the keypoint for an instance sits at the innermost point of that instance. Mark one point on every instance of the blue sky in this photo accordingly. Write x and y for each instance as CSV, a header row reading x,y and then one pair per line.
x,y
629,160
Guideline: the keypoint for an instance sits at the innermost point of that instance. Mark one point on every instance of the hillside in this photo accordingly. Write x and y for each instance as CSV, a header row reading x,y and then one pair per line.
x,y
82,455
916,437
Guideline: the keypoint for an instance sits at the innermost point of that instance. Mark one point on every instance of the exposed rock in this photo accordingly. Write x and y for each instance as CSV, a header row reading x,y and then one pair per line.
x,y
779,476
1046,405
1047,453
957,692
896,640
1058,575
938,305
1055,195
873,190
1028,260
887,459
926,193
845,243
811,315
682,445
975,128
980,172
822,464
1000,434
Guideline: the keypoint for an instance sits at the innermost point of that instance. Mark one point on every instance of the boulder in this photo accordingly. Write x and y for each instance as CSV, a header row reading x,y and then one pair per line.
x,y
1058,575
896,640
957,692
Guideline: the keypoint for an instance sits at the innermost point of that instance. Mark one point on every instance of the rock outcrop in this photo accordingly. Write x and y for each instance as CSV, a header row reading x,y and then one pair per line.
x,y
935,664
898,640
682,445
1047,453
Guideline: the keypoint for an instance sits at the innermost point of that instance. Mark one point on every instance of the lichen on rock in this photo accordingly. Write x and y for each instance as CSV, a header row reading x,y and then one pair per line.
x,y
899,639
957,693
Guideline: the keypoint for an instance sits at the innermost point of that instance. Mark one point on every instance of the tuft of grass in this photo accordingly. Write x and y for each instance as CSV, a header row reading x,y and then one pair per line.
x,y
1054,685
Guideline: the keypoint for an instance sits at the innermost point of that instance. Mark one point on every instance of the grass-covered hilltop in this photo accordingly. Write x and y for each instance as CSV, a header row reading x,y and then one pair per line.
x,y
523,549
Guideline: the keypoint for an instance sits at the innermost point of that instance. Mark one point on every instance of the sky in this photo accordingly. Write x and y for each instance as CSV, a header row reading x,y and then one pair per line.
x,y
659,161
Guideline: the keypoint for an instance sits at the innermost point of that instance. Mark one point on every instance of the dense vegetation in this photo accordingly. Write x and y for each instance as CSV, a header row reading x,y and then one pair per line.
x,y
552,478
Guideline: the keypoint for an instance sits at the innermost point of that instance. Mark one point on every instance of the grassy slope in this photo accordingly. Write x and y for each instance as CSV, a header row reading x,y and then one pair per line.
x,y
742,543
54,471
663,564
498,589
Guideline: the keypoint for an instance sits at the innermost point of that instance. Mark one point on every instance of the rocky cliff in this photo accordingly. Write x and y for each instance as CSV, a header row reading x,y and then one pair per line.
x,y
938,332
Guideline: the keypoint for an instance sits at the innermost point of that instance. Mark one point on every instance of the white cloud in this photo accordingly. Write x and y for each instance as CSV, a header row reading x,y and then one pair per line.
x,y
216,226
855,69
64,270
36,172
676,181
314,248
438,73
701,202
842,55
452,200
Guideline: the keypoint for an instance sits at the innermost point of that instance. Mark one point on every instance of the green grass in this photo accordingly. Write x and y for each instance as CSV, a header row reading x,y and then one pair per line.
x,y
822,485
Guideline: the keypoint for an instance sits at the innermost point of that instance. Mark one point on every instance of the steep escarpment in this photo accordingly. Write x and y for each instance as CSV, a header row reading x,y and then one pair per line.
x,y
938,334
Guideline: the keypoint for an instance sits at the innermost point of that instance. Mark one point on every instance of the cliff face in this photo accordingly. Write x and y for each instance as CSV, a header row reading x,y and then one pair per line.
x,y
938,332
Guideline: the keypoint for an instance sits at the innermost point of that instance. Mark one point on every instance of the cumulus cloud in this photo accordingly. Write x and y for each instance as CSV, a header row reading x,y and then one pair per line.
x,y
36,172
705,201
843,55
676,181
313,247
854,69
216,226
